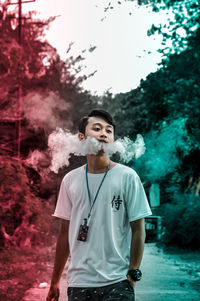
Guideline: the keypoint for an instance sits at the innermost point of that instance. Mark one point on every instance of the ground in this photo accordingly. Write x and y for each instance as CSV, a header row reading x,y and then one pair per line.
x,y
21,269
167,276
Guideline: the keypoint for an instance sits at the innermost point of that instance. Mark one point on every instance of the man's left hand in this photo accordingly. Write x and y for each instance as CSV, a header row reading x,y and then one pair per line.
x,y
133,283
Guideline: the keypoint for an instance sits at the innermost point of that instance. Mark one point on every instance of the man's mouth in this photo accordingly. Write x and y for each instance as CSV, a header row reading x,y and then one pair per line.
x,y
102,141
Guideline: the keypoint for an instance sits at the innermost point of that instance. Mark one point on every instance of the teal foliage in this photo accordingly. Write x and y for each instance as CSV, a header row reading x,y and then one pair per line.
x,y
182,221
182,26
165,109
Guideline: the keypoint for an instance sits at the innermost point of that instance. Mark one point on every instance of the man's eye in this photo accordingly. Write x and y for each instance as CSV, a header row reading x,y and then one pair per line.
x,y
96,129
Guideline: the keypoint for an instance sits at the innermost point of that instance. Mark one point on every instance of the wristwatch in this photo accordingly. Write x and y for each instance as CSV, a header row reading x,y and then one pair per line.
x,y
135,275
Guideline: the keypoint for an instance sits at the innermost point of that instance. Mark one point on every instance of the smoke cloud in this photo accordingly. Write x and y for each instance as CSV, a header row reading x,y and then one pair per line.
x,y
62,144
164,150
45,110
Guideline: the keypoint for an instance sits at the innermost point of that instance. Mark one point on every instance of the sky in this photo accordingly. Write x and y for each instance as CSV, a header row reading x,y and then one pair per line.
x,y
124,53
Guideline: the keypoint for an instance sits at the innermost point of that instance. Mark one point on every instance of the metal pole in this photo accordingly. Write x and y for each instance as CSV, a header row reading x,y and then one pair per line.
x,y
19,100
19,121
19,87
20,22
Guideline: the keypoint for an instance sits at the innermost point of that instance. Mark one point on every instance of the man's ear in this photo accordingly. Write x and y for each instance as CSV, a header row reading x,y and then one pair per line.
x,y
81,136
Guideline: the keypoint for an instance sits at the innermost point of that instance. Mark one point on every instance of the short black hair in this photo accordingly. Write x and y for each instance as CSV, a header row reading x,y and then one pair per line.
x,y
95,113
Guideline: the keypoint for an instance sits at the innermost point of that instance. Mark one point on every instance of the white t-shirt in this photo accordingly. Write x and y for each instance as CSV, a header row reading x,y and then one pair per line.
x,y
104,258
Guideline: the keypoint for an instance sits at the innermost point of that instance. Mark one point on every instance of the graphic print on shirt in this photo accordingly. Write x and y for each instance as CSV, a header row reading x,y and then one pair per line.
x,y
116,202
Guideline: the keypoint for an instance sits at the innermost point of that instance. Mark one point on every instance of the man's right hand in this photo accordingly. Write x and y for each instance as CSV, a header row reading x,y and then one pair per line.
x,y
53,294
62,253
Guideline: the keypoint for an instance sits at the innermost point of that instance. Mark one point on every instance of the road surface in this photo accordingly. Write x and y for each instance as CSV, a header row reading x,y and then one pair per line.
x,y
166,277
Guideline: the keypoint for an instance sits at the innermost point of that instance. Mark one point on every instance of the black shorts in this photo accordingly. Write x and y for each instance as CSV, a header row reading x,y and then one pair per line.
x,y
119,291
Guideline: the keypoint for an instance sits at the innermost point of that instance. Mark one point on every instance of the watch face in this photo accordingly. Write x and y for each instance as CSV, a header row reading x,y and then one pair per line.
x,y
136,275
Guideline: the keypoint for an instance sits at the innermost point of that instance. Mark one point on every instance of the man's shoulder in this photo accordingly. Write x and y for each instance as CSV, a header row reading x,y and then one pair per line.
x,y
73,173
127,171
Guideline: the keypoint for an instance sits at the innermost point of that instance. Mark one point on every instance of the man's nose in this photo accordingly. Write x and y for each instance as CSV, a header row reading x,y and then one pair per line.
x,y
103,134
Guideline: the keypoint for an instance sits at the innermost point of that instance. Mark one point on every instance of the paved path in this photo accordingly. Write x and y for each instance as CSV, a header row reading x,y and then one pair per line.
x,y
165,278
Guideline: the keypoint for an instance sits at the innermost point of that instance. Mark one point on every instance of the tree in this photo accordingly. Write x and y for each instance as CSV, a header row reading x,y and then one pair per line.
x,y
50,89
44,78
169,99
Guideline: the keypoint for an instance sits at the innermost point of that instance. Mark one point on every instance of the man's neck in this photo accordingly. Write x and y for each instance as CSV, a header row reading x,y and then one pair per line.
x,y
97,164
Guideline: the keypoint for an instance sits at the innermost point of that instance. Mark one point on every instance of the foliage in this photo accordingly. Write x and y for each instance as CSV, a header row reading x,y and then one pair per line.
x,y
165,110
172,93
33,62
181,221
24,219
51,88
51,96
128,111
183,25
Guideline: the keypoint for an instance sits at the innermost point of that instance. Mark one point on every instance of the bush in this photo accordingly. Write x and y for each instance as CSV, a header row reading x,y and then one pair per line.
x,y
25,220
181,220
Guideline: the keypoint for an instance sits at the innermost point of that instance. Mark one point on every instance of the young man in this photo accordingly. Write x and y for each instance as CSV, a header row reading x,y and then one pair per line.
x,y
102,206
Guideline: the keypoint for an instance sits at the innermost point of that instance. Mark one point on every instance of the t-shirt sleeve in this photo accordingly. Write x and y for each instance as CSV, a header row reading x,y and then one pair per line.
x,y
64,205
136,200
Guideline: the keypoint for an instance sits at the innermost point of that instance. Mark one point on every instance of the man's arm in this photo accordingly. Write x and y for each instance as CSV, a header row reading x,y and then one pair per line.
x,y
62,253
137,245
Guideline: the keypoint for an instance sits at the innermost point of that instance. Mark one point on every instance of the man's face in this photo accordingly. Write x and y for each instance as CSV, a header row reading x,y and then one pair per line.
x,y
99,129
